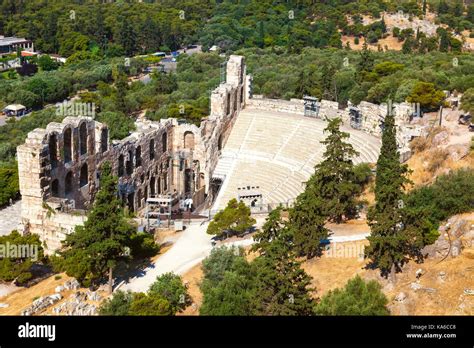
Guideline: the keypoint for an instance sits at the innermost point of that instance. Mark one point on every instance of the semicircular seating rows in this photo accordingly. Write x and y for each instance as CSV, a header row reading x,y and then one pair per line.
x,y
277,152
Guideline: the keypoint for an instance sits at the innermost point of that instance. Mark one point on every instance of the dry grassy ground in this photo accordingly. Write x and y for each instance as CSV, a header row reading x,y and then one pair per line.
x,y
23,298
329,273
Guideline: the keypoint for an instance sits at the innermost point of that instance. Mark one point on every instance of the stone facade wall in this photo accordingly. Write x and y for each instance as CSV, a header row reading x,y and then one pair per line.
x,y
59,167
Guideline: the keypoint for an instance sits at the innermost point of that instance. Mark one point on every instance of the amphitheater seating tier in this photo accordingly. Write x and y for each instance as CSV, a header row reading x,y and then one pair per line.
x,y
277,152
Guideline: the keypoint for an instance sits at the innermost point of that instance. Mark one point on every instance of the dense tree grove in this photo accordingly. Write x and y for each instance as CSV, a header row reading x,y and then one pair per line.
x,y
89,29
272,284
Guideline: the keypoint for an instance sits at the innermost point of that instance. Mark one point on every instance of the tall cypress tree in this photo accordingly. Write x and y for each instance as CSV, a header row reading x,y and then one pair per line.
x,y
391,242
307,222
94,249
282,287
334,179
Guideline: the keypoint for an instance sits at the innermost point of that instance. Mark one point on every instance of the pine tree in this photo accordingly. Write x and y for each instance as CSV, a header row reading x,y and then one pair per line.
x,y
366,62
356,298
261,35
443,41
95,248
233,220
269,231
281,286
334,178
126,37
391,242
121,87
307,222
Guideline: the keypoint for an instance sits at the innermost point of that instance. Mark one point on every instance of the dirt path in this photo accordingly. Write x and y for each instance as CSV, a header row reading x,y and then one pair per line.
x,y
10,218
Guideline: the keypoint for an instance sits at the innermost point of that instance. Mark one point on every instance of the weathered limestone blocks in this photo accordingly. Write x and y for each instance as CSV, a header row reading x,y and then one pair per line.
x,y
59,167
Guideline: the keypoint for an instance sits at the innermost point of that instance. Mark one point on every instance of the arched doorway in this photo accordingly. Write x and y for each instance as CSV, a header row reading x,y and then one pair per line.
x,y
53,150
84,177
68,184
83,139
67,145
104,138
164,142
152,186
55,188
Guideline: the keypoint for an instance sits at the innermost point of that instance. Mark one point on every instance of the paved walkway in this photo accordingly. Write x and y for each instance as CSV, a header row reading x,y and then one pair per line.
x,y
193,246
10,218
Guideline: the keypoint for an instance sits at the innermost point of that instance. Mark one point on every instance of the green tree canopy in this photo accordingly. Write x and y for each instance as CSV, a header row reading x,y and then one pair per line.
x,y
170,287
356,298
391,241
467,101
233,219
427,95
95,248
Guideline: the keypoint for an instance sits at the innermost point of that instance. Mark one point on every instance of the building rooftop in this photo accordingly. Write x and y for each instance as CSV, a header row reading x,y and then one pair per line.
x,y
5,41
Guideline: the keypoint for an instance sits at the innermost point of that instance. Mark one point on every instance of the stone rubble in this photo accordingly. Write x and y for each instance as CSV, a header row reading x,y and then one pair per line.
x,y
72,284
455,235
41,304
401,297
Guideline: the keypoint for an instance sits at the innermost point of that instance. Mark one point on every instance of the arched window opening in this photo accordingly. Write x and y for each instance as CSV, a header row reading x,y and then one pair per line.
x,y
104,138
130,203
83,139
152,149
55,188
84,177
68,184
53,150
67,145
138,157
164,142
130,163
189,140
152,186
139,198
120,166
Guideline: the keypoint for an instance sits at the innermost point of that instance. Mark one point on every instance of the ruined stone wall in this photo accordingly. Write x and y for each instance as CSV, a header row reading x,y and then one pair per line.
x,y
59,171
226,102
59,167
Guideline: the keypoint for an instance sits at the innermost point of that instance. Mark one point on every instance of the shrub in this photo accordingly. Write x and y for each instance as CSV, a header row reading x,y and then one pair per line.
x,y
143,245
449,195
119,304
437,158
19,268
356,298
170,287
9,185
233,220
151,304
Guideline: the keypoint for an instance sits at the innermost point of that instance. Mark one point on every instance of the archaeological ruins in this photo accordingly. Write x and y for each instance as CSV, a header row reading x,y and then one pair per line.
x,y
248,147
